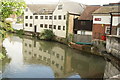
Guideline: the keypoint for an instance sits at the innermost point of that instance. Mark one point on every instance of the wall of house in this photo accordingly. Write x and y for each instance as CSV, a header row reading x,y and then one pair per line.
x,y
82,32
113,45
43,21
60,22
28,21
82,38
98,31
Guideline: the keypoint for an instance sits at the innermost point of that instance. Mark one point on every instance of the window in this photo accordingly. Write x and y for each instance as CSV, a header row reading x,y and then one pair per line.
x,y
41,25
26,24
63,27
46,17
107,30
59,7
29,45
36,17
45,25
30,17
59,27
64,17
55,17
50,26
50,17
118,31
26,9
25,44
26,17
83,23
41,17
30,25
54,26
59,17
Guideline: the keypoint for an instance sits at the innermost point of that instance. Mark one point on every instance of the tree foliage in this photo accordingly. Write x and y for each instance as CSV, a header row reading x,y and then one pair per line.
x,y
9,7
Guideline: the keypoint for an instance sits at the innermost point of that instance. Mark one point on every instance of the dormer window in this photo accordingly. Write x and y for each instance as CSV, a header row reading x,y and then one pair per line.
x,y
59,7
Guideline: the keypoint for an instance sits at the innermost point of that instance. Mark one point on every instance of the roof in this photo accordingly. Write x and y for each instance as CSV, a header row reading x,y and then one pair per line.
x,y
42,8
87,13
107,9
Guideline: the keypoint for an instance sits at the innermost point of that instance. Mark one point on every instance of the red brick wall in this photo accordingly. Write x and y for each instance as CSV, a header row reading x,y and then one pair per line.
x,y
98,31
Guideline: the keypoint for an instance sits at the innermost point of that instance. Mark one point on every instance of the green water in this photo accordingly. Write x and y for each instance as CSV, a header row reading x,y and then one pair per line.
x,y
31,58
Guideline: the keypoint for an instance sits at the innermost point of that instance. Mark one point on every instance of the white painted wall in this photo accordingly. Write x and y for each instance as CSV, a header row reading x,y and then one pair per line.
x,y
116,20
28,13
76,8
84,32
104,20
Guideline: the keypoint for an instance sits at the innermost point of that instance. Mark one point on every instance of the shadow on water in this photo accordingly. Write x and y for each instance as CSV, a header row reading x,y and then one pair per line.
x,y
31,58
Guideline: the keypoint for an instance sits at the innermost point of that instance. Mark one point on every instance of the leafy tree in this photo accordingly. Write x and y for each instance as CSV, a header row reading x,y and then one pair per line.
x,y
10,8
47,35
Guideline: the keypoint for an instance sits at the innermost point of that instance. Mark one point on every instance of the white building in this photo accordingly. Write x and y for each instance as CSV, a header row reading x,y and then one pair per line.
x,y
57,17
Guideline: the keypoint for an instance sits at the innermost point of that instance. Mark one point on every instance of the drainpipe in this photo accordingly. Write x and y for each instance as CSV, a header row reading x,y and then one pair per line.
x,y
111,21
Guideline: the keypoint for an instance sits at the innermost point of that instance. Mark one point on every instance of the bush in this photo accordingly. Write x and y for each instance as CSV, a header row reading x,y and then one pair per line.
x,y
47,35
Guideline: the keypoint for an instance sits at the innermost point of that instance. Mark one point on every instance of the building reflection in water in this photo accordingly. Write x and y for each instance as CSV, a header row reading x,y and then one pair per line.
x,y
29,57
64,61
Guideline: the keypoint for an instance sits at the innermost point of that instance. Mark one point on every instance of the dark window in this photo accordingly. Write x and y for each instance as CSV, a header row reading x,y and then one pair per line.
x,y
83,23
41,17
36,17
54,26
57,55
63,27
64,17
50,26
59,7
50,17
59,17
29,45
46,17
26,9
59,27
26,24
55,17
26,17
29,52
30,25
41,25
25,44
30,17
45,25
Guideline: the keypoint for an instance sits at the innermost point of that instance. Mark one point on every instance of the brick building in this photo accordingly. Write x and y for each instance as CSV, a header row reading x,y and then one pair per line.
x,y
106,20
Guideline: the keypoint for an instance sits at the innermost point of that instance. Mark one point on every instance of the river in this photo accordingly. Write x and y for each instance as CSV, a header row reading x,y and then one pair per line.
x,y
32,58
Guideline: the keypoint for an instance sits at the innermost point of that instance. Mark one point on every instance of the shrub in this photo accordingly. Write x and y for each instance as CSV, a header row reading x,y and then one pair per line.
x,y
47,35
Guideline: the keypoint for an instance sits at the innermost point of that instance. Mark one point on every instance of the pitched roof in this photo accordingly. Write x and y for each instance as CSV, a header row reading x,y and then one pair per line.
x,y
42,8
87,13
107,9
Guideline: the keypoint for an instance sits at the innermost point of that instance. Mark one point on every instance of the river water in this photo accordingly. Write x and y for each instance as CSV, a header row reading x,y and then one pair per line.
x,y
32,58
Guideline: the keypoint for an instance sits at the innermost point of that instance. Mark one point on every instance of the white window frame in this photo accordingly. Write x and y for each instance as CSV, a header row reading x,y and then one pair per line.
x,y
118,31
107,30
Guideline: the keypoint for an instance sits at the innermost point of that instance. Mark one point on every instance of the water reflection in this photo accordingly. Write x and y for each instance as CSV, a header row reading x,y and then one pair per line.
x,y
31,58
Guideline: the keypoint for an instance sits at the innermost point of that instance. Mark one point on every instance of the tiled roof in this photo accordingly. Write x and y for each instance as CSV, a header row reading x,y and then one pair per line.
x,y
42,8
87,13
107,9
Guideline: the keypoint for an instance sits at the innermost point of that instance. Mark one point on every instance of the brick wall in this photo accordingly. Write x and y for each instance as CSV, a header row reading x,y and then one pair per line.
x,y
98,31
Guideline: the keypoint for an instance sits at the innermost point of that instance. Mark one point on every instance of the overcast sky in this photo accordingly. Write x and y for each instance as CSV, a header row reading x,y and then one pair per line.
x,y
88,2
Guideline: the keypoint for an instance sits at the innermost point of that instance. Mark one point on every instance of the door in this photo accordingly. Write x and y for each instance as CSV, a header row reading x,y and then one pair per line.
x,y
35,28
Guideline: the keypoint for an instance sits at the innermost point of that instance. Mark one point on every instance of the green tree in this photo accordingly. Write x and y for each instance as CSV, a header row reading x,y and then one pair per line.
x,y
10,8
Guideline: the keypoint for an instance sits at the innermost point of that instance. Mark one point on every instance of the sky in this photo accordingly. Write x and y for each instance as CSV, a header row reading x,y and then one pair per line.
x,y
88,2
